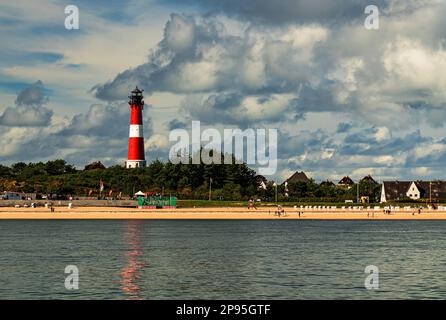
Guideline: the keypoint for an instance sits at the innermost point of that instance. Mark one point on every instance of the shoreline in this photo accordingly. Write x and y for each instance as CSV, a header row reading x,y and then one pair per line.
x,y
211,213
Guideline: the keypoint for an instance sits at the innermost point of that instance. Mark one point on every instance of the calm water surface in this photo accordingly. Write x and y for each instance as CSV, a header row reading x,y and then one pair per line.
x,y
277,259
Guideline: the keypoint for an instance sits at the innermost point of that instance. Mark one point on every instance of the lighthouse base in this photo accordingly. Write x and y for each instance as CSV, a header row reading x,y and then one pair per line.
x,y
135,164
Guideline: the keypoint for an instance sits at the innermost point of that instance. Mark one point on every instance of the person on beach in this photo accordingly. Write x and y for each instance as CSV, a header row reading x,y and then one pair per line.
x,y
280,210
251,204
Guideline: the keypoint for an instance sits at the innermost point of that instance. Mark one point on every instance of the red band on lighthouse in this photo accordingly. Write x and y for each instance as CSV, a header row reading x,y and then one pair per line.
x,y
136,157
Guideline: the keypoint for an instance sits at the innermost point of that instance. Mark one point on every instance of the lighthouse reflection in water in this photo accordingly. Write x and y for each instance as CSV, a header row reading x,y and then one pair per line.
x,y
131,273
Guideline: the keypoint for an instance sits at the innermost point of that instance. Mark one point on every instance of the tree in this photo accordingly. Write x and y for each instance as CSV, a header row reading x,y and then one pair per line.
x,y
94,166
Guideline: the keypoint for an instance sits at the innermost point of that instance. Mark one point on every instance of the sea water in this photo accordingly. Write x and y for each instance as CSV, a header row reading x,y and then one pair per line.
x,y
222,259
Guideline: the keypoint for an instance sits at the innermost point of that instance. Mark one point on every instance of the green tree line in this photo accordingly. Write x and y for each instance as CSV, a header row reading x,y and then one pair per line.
x,y
186,181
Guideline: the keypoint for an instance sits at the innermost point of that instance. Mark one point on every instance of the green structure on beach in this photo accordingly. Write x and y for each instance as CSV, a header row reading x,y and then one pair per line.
x,y
157,202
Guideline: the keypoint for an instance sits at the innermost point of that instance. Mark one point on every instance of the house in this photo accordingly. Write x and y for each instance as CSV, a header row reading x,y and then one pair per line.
x,y
260,181
94,166
368,179
415,190
298,177
346,182
327,183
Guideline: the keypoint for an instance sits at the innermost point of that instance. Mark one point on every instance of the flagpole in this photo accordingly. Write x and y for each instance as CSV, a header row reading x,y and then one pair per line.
x,y
210,188
101,187
275,185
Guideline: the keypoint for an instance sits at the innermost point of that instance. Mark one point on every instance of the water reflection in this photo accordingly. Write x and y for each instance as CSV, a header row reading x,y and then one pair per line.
x,y
131,273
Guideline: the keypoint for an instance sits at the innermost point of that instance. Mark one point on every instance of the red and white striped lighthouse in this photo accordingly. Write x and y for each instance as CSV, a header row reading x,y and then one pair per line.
x,y
136,157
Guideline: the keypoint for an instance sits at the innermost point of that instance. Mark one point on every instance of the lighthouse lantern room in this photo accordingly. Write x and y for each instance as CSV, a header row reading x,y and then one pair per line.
x,y
136,157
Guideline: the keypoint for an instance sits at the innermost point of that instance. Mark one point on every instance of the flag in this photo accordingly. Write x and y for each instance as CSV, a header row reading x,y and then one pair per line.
x,y
101,185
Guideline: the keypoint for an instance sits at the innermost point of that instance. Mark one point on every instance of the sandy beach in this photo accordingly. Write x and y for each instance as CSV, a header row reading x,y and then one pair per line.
x,y
214,213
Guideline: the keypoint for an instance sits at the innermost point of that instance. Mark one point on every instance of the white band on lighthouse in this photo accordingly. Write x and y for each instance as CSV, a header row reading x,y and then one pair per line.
x,y
136,131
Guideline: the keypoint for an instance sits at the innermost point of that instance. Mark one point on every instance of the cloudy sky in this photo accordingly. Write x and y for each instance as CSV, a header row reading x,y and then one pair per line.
x,y
346,100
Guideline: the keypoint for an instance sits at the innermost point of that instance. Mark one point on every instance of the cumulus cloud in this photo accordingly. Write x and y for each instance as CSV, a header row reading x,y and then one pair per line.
x,y
315,68
33,95
28,111
209,59
26,116
276,65
288,11
362,151
176,124
101,133
241,64
101,120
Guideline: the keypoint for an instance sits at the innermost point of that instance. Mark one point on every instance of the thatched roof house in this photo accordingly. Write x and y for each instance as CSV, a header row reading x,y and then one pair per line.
x,y
298,177
346,182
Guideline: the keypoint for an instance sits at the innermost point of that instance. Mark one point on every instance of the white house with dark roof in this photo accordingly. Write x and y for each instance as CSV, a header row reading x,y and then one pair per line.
x,y
415,190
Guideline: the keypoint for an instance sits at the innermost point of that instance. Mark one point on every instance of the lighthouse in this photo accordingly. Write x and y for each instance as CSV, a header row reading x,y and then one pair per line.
x,y
136,157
